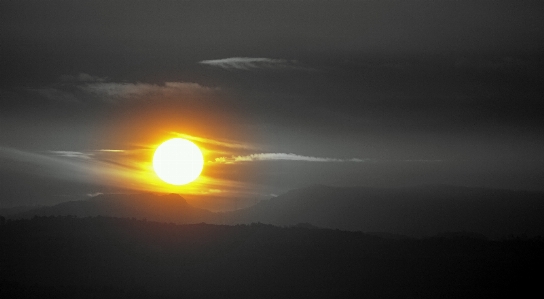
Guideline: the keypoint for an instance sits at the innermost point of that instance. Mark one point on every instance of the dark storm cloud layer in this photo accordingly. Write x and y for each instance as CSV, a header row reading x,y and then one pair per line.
x,y
449,81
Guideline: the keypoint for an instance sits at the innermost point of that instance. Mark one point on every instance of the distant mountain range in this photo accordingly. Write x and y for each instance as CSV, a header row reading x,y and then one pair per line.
x,y
412,211
164,208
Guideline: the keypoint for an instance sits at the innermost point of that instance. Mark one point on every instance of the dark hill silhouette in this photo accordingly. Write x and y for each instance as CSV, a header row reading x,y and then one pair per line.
x,y
102,257
165,208
413,211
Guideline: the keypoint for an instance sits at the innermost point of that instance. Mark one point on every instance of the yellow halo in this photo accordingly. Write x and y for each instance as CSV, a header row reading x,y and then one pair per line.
x,y
178,161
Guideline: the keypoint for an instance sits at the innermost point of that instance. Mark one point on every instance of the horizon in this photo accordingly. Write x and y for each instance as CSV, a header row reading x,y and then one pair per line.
x,y
229,204
416,212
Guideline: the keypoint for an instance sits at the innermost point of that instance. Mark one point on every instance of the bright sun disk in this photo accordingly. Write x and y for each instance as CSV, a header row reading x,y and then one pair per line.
x,y
178,161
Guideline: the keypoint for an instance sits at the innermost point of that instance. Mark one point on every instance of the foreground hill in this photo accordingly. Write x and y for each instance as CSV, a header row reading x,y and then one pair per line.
x,y
416,211
101,257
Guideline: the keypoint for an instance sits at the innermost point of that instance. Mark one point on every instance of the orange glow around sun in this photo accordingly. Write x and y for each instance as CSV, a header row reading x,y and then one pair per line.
x,y
134,153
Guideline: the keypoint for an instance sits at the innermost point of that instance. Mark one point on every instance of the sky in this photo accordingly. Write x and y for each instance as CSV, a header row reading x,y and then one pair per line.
x,y
277,94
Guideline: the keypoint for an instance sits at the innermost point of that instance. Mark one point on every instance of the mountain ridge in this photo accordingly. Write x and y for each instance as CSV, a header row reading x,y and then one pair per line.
x,y
165,208
416,211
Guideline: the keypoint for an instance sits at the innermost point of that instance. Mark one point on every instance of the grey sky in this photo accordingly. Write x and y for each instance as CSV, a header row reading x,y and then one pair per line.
x,y
383,81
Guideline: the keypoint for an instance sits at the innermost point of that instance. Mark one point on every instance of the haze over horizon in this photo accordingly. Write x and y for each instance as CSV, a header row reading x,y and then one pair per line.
x,y
277,94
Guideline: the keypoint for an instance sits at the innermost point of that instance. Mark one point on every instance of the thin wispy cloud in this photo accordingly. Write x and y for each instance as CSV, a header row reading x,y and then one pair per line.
x,y
72,154
111,150
51,164
282,156
87,88
222,143
95,194
83,166
115,92
249,63
82,77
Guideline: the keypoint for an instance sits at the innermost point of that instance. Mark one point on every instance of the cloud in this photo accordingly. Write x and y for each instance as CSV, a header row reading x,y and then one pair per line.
x,y
221,143
282,156
95,194
71,154
72,165
87,88
111,150
81,77
247,63
115,92
49,165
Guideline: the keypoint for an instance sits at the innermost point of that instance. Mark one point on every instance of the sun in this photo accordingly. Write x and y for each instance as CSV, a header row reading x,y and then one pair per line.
x,y
178,161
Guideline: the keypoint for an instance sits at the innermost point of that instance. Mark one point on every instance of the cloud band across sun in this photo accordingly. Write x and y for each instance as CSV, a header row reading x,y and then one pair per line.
x,y
283,156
